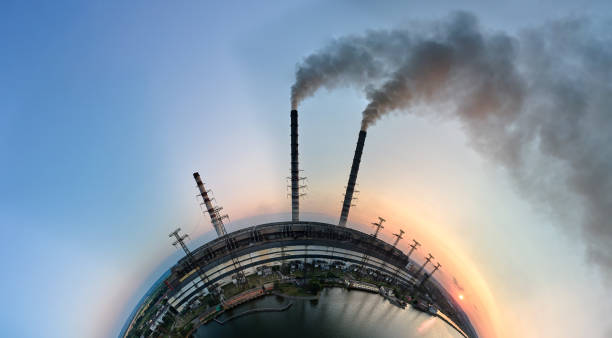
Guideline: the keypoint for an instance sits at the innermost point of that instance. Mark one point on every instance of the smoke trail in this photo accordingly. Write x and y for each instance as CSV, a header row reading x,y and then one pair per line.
x,y
458,64
538,103
350,61
346,63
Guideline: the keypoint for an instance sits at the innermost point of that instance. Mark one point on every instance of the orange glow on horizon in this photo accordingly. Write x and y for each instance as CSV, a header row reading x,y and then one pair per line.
x,y
482,309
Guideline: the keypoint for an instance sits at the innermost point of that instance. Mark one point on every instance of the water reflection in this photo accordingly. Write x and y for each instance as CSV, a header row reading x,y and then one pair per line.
x,y
337,313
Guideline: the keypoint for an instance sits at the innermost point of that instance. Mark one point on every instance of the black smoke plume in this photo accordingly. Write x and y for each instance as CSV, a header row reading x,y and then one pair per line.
x,y
538,102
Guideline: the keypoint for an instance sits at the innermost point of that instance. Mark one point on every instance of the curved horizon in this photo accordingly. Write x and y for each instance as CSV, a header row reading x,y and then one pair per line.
x,y
479,323
109,107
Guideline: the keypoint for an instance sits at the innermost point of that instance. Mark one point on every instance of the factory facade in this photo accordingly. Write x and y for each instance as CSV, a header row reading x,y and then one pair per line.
x,y
249,250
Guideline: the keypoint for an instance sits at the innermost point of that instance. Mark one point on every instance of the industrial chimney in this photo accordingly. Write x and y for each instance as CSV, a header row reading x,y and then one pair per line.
x,y
295,171
350,188
215,217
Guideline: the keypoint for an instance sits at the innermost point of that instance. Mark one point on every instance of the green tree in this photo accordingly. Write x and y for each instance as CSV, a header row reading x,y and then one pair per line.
x,y
314,286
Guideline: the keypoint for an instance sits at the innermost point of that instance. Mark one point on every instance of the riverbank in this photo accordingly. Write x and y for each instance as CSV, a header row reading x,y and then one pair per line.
x,y
247,301
280,294
451,323
284,308
304,290
338,312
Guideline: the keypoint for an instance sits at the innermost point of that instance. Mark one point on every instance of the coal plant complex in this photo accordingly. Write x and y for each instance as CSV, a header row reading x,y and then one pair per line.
x,y
295,258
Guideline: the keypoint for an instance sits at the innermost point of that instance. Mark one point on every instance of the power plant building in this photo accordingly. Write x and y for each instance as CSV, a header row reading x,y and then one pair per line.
x,y
232,256
274,243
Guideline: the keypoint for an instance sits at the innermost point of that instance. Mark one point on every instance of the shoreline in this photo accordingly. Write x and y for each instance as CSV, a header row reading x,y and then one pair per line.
x,y
451,323
280,294
439,315
248,312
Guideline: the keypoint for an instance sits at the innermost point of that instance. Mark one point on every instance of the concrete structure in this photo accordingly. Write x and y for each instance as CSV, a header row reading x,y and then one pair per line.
x,y
215,212
274,243
350,187
295,169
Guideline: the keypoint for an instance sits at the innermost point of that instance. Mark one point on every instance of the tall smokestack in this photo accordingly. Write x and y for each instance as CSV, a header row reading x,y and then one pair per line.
x,y
295,171
350,188
214,213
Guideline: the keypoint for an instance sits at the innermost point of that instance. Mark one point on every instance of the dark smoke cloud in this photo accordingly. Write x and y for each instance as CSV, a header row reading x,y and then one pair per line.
x,y
344,63
539,103
458,63
350,61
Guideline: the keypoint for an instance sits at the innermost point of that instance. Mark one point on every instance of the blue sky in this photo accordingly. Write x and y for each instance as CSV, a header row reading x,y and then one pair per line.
x,y
107,108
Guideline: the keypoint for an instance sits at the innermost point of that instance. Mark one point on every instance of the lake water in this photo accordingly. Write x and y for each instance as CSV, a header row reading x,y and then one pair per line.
x,y
337,313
